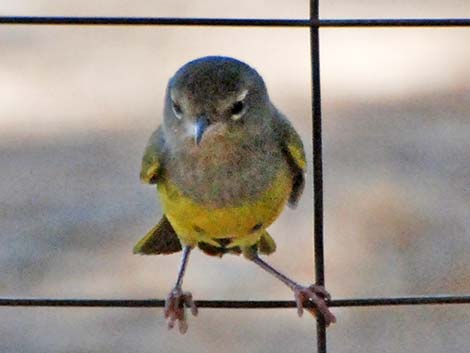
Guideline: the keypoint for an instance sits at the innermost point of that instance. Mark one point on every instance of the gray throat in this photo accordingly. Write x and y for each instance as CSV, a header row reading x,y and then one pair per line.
x,y
227,174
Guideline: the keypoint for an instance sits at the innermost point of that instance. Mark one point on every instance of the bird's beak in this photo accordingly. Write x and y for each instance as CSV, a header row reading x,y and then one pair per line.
x,y
201,125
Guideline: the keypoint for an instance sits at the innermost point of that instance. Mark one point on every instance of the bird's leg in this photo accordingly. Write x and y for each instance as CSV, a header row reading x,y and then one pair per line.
x,y
177,300
314,293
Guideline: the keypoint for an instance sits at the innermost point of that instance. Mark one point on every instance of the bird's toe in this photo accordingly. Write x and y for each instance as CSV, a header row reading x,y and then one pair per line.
x,y
175,309
315,294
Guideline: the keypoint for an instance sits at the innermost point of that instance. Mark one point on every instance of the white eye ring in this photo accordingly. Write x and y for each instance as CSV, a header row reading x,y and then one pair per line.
x,y
239,107
176,110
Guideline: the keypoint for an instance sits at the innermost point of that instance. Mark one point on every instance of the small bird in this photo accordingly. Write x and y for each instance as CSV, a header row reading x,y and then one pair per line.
x,y
225,162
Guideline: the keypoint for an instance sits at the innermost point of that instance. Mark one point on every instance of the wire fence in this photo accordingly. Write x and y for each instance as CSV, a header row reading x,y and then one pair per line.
x,y
314,23
233,304
234,22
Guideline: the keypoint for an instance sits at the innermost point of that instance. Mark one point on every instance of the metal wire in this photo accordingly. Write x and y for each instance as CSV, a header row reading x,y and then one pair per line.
x,y
313,23
234,304
240,22
317,166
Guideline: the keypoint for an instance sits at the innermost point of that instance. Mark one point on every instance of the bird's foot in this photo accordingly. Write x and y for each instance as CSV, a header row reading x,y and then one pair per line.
x,y
175,308
317,295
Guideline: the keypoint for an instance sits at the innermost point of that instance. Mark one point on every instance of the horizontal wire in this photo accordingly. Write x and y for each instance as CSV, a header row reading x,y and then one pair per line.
x,y
234,304
178,21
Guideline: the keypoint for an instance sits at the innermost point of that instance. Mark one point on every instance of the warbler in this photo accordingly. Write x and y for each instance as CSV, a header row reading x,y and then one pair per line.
x,y
225,162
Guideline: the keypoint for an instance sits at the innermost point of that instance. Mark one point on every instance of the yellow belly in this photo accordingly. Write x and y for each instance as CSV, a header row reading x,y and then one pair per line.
x,y
194,222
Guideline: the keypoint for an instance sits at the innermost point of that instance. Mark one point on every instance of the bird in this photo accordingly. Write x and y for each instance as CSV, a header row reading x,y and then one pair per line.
x,y
225,162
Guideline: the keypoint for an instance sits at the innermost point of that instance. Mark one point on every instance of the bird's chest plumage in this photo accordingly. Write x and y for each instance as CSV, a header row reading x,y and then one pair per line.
x,y
225,191
220,173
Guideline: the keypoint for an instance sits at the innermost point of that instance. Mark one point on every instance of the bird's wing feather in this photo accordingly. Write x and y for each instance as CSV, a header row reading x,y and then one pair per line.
x,y
294,150
266,244
161,239
151,161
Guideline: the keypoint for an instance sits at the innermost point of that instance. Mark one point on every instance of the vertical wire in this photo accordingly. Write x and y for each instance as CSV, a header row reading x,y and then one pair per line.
x,y
317,164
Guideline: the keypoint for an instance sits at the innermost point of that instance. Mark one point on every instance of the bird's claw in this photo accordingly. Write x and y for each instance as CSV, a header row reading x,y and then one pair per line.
x,y
175,308
317,295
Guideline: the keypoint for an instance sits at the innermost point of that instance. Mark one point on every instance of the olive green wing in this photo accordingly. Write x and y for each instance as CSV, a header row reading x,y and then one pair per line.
x,y
293,148
152,160
266,244
161,239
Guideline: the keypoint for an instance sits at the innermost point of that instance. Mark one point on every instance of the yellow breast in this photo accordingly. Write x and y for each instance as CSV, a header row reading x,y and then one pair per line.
x,y
196,222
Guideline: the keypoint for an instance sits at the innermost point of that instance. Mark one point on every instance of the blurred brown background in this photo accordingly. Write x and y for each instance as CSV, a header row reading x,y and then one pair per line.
x,y
77,105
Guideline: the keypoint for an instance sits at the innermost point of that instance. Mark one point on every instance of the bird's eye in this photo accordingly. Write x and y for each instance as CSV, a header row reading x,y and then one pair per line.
x,y
237,109
176,109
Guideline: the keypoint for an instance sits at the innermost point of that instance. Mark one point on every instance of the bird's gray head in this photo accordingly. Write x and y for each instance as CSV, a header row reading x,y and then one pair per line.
x,y
214,96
